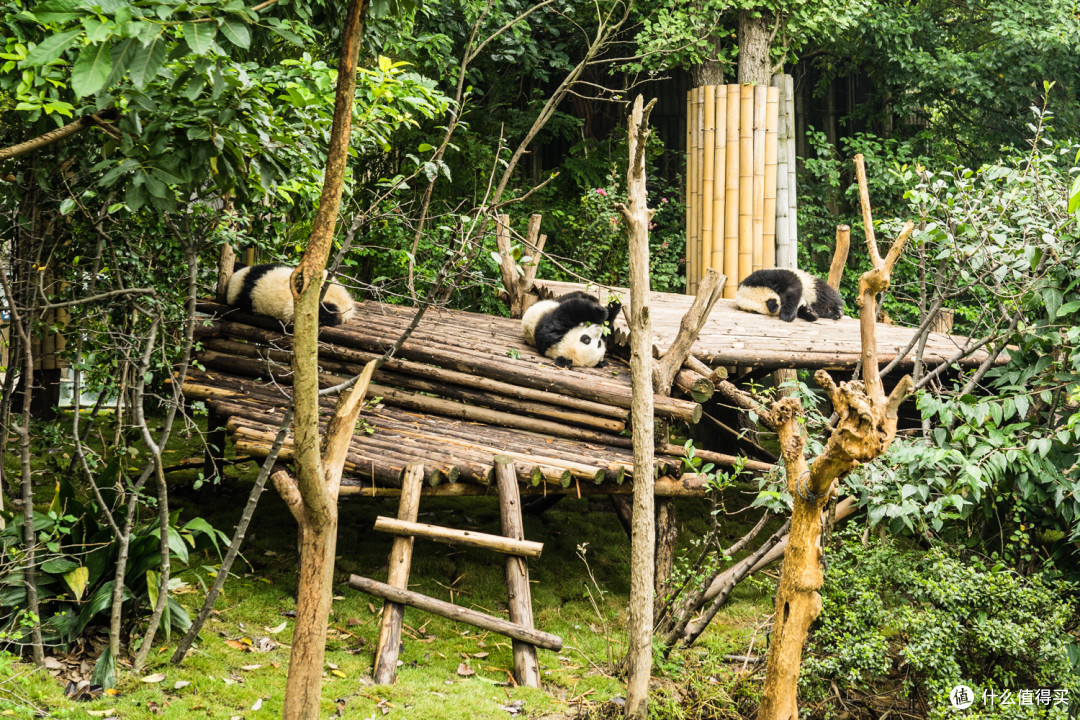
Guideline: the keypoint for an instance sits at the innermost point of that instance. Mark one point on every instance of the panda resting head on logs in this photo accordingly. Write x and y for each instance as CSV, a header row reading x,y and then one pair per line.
x,y
264,290
569,329
789,294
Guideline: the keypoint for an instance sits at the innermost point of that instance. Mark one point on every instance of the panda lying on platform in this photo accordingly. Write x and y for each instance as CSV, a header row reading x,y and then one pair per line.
x,y
789,293
264,290
569,329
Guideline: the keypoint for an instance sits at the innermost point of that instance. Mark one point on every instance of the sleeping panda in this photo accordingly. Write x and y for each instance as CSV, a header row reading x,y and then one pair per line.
x,y
264,290
569,329
789,293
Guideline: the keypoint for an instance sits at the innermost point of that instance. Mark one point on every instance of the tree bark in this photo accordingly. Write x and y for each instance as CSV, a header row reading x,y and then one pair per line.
x,y
318,479
643,537
754,41
864,431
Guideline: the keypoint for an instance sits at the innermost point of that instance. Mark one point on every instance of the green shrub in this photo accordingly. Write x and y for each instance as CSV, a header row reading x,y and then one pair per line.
x,y
912,625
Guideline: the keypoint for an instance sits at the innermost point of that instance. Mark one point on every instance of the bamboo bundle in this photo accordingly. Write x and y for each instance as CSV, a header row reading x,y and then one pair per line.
x,y
768,215
758,242
746,181
716,252
707,178
693,239
731,189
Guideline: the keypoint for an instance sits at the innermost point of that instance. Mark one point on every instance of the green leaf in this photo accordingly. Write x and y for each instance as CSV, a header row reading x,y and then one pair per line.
x,y
199,36
152,580
236,32
146,62
58,565
1074,196
91,69
105,670
50,48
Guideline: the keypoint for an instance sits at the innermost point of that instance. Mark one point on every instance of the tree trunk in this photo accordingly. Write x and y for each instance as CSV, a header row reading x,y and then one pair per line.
x,y
754,41
318,479
643,535
866,427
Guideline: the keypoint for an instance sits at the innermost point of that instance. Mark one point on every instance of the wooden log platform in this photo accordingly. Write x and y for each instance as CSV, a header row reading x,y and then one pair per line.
x,y
462,390
733,337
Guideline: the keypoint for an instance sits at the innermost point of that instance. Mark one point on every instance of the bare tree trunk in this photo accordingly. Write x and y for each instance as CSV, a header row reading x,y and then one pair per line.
x,y
643,536
865,429
23,431
754,42
318,479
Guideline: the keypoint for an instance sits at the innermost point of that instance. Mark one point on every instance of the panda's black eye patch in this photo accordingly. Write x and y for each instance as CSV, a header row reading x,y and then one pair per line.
x,y
585,339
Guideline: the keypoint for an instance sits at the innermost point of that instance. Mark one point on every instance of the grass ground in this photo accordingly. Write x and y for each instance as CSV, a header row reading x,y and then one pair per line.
x,y
580,590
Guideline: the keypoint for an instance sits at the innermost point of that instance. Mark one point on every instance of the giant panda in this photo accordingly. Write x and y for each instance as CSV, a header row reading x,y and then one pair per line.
x,y
264,290
789,293
569,329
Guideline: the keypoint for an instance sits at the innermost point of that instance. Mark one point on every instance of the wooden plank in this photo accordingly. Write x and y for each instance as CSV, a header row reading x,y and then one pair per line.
x,y
456,612
453,536
526,668
389,647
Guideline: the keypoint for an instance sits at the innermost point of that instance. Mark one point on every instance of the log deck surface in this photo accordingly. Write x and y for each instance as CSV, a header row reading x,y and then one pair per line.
x,y
246,385
734,337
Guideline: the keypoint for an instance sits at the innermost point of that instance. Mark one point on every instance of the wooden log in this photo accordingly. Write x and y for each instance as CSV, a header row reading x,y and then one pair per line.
x,y
686,486
708,166
840,253
453,536
760,109
456,613
716,252
772,109
754,466
389,646
526,668
731,192
408,367
225,270
709,291
690,383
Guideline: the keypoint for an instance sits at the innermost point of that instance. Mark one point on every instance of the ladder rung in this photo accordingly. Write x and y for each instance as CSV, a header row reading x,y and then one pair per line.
x,y
498,543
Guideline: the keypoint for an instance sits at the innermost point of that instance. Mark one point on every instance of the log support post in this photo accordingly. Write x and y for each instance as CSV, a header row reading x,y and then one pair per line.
x,y
518,279
386,652
526,667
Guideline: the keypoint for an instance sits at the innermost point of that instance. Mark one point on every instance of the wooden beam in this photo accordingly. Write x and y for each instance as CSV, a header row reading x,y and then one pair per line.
x,y
456,613
523,548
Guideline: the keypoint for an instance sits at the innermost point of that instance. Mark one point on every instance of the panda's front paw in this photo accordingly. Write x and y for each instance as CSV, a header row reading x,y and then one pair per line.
x,y
602,363
563,362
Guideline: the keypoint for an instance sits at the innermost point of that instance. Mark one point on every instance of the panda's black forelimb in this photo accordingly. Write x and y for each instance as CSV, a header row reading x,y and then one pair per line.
x,y
574,309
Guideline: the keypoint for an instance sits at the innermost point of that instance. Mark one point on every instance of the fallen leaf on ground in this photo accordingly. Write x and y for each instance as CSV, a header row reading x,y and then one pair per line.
x,y
464,670
180,684
154,678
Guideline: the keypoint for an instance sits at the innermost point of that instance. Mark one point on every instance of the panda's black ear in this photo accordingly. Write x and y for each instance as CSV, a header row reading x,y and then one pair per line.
x,y
773,305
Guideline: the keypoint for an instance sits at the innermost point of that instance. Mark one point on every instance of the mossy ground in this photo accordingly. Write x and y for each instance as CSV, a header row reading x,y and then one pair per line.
x,y
231,672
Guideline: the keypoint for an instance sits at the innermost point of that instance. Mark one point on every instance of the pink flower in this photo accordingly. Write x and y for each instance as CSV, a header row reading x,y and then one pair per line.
x,y
601,191
663,200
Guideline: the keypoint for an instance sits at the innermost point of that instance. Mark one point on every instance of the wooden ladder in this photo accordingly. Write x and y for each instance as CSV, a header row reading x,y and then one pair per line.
x,y
512,543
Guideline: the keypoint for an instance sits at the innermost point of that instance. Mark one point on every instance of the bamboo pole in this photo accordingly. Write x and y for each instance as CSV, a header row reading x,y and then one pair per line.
x,y
793,226
760,109
526,668
453,536
693,237
772,109
746,181
716,252
687,265
708,167
456,613
386,652
731,192
783,159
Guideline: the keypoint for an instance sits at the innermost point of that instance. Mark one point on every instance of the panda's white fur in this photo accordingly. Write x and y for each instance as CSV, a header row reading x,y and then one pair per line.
x,y
569,330
264,290
789,294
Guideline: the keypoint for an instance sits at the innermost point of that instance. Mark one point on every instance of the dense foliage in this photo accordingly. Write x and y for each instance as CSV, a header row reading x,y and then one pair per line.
x,y
901,628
